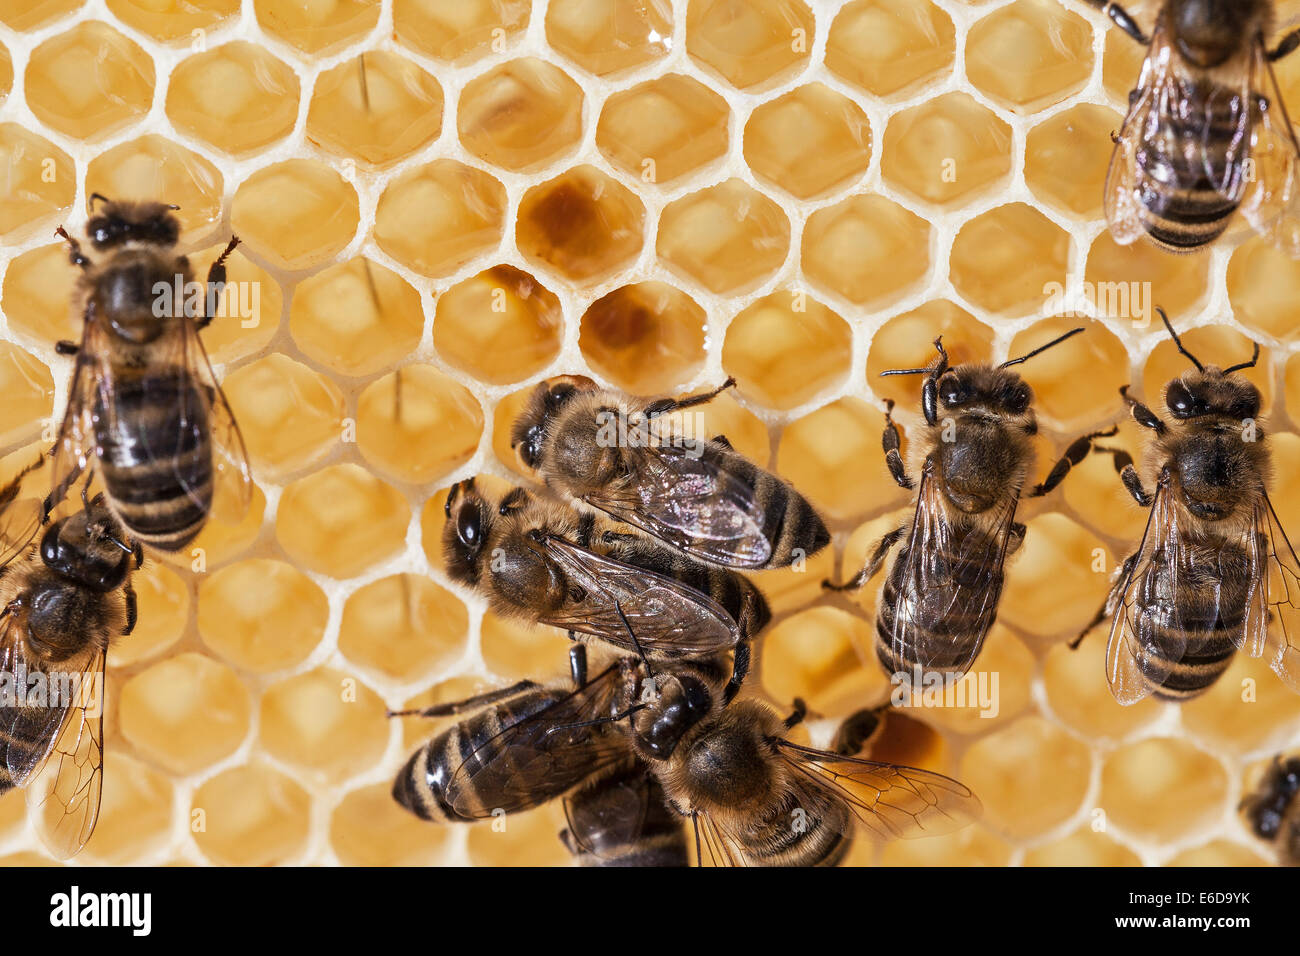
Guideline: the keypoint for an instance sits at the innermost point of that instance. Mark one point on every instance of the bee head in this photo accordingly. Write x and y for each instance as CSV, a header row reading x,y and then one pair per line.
x,y
1208,32
1211,391
89,548
529,430
117,223
683,701
469,520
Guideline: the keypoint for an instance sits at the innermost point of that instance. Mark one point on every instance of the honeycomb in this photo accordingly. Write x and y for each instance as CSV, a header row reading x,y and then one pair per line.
x,y
443,203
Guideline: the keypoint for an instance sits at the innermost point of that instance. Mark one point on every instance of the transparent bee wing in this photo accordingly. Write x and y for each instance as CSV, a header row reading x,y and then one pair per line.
x,y
1273,610
20,518
1271,204
619,815
91,394
1123,207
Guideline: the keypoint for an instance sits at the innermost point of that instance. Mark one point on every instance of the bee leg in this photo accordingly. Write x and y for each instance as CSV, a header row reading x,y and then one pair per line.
x,y
890,442
1128,474
867,573
75,255
132,609
798,714
66,347
1015,537
1123,19
217,277
515,499
739,669
577,662
138,551
1141,414
1286,46
1076,453
722,440
469,703
665,405
1104,611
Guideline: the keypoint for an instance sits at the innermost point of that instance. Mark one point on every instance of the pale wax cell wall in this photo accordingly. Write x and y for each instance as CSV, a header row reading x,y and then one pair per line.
x,y
444,202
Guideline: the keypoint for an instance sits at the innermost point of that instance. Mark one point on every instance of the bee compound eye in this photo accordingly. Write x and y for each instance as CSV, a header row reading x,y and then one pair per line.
x,y
469,528
1179,400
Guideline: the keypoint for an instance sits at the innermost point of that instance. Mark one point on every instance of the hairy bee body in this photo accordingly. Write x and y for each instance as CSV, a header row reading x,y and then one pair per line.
x,y
1272,810
621,820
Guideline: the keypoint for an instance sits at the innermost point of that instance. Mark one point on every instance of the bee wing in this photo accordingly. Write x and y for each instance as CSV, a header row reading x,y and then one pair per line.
x,y
63,798
890,801
665,614
936,579
20,518
694,504
556,749
206,402
1121,198
1271,204
91,393
27,732
715,845
1133,669
1275,597
621,815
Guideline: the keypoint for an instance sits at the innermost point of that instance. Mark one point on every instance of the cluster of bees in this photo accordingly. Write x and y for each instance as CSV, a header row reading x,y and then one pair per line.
x,y
637,546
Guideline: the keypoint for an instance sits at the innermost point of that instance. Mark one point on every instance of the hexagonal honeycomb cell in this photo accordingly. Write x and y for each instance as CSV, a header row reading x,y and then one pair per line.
x,y
655,194
69,74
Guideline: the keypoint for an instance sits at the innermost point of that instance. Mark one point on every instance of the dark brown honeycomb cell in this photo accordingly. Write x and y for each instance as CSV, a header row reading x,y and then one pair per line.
x,y
582,224
644,338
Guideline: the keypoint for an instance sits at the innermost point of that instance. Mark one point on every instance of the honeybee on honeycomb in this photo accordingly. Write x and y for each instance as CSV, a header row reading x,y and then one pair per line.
x,y
1207,134
1272,809
1214,570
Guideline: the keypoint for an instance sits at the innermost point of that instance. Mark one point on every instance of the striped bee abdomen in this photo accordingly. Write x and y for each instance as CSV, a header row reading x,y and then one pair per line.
x,y
622,820
156,457
795,834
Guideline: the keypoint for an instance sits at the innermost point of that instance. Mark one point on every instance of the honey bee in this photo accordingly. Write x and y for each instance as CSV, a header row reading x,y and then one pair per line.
x,y
144,407
537,559
755,798
621,819
1214,566
521,746
62,604
619,455
941,594
1207,133
1272,810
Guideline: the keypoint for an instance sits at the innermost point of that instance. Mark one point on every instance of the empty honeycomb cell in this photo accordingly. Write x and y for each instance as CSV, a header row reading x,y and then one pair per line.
x,y
326,721
164,611
40,183
998,687
13,813
726,417
970,846
172,20
89,82
1083,847
582,224
1213,345
1030,775
403,626
946,150
437,217
185,712
663,129
464,30
37,288
356,317
833,457
808,141
135,811
1217,853
1121,66
866,249
250,815
28,390
1162,788
261,615
341,520
727,237
822,655
520,839
800,584
907,341
514,650
248,312
237,98
30,14
1029,54
1078,692
1066,158
418,424
1058,578
377,108
609,36
500,326
1143,277
317,28
1263,284
289,414
644,338
1246,710
1283,492
890,47
295,214
156,169
749,42
1077,382
369,828
520,115
1006,260
787,349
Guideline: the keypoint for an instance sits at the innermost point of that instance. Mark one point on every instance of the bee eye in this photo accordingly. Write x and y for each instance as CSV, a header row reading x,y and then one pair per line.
x,y
1017,399
469,528
953,392
1179,400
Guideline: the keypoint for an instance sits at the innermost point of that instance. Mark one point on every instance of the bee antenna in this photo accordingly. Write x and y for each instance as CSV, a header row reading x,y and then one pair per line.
x,y
1240,365
451,498
1179,342
1042,348
100,197
117,541
943,355
173,207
